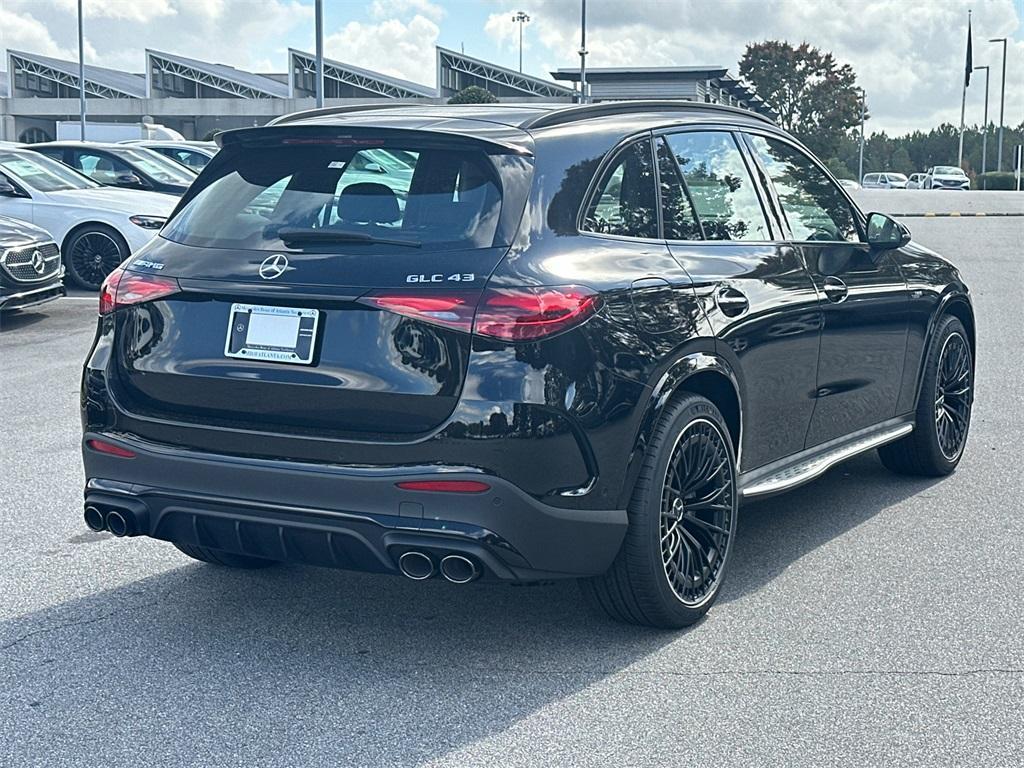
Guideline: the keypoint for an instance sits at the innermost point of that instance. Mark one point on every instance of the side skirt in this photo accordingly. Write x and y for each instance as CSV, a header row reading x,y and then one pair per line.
x,y
803,467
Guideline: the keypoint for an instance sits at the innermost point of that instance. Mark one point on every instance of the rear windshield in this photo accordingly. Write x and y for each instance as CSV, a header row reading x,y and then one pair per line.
x,y
421,196
159,168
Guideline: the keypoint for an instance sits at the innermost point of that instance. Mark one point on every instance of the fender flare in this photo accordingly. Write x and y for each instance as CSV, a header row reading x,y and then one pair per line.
x,y
951,298
660,395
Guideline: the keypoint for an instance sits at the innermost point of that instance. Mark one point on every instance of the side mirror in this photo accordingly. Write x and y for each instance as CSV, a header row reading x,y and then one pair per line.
x,y
128,180
7,189
885,233
376,168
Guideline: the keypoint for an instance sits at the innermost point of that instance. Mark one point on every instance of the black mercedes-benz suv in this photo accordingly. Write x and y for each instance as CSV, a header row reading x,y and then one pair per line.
x,y
31,270
513,342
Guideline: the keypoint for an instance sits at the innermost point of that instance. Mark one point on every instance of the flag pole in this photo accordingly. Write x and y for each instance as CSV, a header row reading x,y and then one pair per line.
x,y
963,98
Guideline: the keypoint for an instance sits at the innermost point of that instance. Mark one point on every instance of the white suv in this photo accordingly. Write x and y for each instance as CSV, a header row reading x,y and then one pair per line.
x,y
946,177
886,180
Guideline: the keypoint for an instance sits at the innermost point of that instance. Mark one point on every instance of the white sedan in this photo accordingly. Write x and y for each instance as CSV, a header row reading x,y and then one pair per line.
x,y
97,227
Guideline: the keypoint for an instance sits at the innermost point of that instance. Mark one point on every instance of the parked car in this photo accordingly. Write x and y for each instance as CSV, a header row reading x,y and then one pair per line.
x,y
96,227
916,181
887,180
116,165
194,155
850,184
31,272
531,370
946,177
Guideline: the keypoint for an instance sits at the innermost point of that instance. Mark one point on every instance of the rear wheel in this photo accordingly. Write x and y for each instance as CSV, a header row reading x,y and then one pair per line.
x,y
92,253
943,416
227,559
682,520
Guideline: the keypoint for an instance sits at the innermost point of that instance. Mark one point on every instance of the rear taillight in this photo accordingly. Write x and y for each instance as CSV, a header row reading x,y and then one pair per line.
x,y
509,314
525,314
122,289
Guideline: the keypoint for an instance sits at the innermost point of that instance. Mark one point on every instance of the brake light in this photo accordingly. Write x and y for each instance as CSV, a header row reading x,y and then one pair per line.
x,y
450,309
527,314
445,486
109,448
122,289
509,314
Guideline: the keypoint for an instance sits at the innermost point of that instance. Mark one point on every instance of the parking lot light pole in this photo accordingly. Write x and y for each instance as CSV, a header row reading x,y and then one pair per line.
x,y
984,127
860,164
319,53
1002,103
583,51
81,73
520,18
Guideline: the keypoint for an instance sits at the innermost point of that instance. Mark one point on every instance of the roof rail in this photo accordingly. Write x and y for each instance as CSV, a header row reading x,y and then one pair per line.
x,y
325,111
585,111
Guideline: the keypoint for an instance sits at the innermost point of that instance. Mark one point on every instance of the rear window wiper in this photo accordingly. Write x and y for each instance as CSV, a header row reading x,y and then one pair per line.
x,y
300,235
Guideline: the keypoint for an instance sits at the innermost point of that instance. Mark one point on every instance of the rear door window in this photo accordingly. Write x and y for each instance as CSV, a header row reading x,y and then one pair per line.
x,y
625,201
420,196
720,185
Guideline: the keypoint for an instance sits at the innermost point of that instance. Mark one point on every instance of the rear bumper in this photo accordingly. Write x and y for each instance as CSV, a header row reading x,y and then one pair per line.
x,y
26,296
346,516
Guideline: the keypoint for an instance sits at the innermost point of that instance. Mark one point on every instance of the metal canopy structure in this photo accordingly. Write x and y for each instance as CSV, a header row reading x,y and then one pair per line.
x,y
41,76
456,71
712,85
171,75
348,81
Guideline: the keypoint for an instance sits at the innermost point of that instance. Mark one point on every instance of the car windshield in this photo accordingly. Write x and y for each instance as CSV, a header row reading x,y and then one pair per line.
x,y
948,170
41,173
318,196
160,168
896,177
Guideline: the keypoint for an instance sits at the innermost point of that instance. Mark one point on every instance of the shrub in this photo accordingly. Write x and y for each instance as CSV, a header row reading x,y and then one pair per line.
x,y
473,95
996,180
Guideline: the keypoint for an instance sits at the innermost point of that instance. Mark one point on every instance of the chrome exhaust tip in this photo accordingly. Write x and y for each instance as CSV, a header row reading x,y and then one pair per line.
x,y
94,519
459,569
117,523
416,565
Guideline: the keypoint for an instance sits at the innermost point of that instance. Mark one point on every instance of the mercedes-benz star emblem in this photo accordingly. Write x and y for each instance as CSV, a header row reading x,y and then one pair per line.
x,y
37,262
274,266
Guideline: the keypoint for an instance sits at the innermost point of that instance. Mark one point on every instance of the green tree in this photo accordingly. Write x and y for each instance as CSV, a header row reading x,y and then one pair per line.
x,y
473,95
817,98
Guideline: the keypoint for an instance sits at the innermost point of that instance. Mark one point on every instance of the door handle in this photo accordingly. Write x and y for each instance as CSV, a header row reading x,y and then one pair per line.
x,y
836,290
731,302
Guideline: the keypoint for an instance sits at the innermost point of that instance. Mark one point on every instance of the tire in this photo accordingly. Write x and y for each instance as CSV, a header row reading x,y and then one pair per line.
x,y
944,406
226,559
93,252
652,580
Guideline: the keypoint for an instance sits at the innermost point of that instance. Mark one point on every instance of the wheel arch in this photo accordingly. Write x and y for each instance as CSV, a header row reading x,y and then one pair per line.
x,y
958,305
78,227
700,373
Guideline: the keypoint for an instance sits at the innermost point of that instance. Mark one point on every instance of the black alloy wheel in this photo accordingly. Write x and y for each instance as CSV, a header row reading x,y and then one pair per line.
x,y
953,396
682,522
92,254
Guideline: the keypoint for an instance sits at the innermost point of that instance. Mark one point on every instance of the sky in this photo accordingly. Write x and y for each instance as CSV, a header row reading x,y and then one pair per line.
x,y
908,54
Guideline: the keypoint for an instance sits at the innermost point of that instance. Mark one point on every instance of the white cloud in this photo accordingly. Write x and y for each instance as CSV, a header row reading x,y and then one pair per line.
x,y
392,46
386,9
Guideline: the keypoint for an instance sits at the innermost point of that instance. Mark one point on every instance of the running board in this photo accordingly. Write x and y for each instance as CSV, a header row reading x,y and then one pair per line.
x,y
821,459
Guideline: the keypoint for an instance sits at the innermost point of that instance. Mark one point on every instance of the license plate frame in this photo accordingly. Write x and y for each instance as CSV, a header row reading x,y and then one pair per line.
x,y
280,334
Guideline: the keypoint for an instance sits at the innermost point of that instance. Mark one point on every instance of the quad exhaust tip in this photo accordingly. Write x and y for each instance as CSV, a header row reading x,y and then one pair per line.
x,y
416,565
459,569
94,519
117,523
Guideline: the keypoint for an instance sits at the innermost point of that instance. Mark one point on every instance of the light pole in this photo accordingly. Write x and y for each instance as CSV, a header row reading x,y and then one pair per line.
x,y
319,53
520,18
81,73
860,164
583,51
1002,102
984,126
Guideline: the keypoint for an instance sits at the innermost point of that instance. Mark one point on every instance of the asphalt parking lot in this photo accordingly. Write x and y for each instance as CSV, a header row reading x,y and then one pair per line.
x,y
868,620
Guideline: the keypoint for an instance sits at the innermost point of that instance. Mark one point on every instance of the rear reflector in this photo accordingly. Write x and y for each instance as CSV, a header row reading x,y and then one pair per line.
x,y
444,486
509,314
122,289
110,449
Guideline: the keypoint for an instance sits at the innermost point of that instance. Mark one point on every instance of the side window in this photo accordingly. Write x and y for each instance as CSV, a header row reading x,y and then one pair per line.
x,y
720,185
813,204
624,203
678,217
99,167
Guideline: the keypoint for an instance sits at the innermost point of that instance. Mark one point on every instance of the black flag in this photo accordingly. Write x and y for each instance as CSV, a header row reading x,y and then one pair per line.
x,y
970,59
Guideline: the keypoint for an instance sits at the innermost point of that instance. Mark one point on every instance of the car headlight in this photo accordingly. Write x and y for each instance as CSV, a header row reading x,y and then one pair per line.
x,y
148,222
